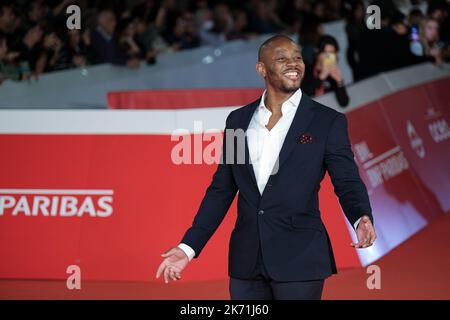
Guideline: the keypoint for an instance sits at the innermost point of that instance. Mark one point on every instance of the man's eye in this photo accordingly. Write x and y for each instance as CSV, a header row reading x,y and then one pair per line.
x,y
281,59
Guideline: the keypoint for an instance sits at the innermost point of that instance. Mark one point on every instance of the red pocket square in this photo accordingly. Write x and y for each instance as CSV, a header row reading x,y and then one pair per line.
x,y
305,138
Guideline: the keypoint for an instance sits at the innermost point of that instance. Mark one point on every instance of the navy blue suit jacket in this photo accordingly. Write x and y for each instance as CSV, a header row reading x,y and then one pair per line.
x,y
285,220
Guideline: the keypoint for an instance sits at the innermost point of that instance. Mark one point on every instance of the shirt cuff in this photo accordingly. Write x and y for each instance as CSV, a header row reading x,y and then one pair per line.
x,y
188,250
355,225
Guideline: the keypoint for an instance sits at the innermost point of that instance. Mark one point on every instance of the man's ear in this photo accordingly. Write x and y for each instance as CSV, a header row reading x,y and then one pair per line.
x,y
261,69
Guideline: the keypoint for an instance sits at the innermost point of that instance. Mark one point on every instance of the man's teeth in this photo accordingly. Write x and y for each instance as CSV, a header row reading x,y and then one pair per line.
x,y
292,75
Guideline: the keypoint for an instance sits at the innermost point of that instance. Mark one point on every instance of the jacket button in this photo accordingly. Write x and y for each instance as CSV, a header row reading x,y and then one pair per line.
x,y
261,212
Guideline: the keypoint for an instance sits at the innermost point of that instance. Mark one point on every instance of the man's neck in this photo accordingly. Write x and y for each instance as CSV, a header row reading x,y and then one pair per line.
x,y
274,99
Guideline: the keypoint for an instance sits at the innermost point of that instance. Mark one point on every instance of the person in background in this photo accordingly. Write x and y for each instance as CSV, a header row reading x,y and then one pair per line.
x,y
264,17
240,28
334,10
293,12
429,38
318,9
3,53
37,13
221,26
126,37
9,35
311,29
9,24
397,44
203,16
184,34
414,17
29,49
51,56
354,28
8,17
105,46
324,75
77,48
440,10
147,36
148,40
168,12
373,45
7,68
437,10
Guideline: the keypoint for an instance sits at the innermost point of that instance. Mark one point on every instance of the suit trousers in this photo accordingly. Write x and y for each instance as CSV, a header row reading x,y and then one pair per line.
x,y
260,286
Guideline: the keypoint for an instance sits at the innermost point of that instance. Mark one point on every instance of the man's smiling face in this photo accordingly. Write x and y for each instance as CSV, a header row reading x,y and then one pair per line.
x,y
281,65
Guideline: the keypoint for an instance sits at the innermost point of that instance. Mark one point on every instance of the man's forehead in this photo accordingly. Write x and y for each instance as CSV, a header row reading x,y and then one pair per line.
x,y
280,51
282,44
278,45
283,48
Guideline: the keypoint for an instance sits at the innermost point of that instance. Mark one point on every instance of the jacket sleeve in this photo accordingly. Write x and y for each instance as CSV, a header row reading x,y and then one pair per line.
x,y
215,204
341,95
340,163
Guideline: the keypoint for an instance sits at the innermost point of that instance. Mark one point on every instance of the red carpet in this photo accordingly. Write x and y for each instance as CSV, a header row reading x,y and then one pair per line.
x,y
417,269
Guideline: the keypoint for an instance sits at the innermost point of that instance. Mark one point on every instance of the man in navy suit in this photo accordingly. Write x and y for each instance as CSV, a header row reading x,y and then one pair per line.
x,y
279,248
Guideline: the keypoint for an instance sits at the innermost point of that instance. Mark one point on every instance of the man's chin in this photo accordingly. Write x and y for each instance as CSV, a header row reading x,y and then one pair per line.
x,y
290,89
291,86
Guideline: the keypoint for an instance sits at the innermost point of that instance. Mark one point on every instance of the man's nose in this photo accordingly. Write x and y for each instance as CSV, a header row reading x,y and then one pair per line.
x,y
292,62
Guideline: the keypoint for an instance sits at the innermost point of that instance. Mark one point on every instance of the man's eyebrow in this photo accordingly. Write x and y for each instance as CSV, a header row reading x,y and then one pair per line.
x,y
283,52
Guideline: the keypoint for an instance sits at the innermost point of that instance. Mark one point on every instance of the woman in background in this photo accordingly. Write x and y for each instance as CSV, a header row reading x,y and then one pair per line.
x,y
429,38
324,75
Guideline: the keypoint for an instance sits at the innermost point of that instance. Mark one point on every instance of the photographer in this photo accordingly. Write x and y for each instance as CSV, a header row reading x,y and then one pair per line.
x,y
324,75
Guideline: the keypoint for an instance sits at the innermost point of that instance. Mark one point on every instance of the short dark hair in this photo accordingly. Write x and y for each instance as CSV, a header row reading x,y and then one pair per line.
x,y
8,4
435,5
325,40
269,41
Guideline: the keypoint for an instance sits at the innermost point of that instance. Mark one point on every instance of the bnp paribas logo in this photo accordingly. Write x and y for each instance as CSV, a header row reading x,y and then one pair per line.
x,y
95,203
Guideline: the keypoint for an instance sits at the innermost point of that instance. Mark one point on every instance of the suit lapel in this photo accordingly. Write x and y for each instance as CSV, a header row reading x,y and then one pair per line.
x,y
245,122
302,118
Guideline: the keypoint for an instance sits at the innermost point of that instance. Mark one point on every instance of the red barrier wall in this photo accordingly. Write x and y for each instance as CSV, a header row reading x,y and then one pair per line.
x,y
153,201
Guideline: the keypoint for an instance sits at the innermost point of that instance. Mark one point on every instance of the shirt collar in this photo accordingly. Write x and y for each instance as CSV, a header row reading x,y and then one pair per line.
x,y
106,36
290,104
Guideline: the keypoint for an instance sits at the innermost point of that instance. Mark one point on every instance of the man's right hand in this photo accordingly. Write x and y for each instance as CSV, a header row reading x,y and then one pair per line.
x,y
174,263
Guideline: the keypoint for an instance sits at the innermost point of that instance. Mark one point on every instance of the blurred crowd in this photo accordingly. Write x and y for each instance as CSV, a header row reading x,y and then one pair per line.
x,y
416,33
34,37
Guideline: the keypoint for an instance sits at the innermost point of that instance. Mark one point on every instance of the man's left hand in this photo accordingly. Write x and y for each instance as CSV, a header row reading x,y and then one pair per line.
x,y
365,233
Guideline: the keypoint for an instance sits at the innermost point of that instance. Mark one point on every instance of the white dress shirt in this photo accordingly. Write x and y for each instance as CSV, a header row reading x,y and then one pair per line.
x,y
265,145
